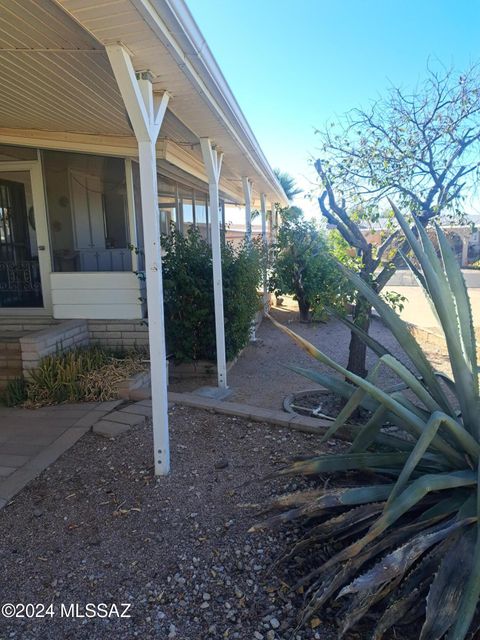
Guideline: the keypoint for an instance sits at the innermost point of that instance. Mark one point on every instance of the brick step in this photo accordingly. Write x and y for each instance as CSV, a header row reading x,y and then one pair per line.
x,y
10,358
10,353
8,374
25,324
10,348
11,363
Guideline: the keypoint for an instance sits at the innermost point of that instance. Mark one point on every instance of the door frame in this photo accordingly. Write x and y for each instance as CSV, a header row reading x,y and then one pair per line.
x,y
34,167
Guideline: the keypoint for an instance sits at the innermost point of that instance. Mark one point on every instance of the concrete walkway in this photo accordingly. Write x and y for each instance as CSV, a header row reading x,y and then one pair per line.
x,y
30,440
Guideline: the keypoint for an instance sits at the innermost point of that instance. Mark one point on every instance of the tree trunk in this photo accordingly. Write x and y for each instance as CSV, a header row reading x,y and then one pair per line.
x,y
304,309
357,355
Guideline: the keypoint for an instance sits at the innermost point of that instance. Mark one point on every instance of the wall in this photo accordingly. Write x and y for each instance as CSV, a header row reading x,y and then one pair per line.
x,y
102,295
55,339
417,310
405,278
20,354
114,333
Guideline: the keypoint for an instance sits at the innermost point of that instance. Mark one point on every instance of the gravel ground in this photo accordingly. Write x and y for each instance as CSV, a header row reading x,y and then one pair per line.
x,y
260,378
97,527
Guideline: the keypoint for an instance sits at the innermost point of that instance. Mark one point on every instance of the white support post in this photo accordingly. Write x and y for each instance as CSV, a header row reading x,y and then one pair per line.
x,y
146,113
274,222
213,164
247,194
263,211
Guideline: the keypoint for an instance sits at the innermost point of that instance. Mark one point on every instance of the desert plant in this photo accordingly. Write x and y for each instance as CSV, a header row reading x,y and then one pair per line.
x,y
241,271
407,544
82,374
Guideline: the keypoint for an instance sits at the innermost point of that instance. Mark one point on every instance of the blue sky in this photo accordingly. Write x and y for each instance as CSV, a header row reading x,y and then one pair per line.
x,y
294,65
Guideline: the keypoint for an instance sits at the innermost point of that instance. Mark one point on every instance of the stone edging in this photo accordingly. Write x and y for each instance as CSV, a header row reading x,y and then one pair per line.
x,y
115,423
258,414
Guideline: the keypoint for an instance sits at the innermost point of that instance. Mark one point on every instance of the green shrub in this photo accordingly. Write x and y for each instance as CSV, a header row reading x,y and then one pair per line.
x,y
405,546
241,275
188,295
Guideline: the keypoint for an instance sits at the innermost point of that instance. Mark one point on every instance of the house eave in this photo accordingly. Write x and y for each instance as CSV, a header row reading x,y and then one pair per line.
x,y
182,25
121,146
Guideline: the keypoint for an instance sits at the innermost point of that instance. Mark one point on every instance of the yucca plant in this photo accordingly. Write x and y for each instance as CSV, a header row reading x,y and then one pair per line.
x,y
406,546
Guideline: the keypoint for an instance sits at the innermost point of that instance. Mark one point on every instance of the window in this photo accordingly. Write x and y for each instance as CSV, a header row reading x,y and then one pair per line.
x,y
167,204
14,154
201,215
87,211
188,213
168,214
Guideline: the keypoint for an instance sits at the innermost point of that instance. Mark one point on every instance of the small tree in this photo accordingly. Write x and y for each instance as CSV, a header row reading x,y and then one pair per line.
x,y
422,149
304,268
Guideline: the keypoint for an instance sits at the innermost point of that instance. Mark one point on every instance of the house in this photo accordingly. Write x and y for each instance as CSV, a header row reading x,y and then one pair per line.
x,y
115,120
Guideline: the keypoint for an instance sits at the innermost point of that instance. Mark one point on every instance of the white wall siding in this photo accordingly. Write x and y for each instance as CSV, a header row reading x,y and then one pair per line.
x,y
96,295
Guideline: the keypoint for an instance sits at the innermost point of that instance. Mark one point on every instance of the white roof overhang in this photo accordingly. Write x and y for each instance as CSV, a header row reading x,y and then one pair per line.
x,y
56,85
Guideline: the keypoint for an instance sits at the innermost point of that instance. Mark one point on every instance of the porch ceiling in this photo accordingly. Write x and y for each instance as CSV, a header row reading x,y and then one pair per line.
x,y
55,76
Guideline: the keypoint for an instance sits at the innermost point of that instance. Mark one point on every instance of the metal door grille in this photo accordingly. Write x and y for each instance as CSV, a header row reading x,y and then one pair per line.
x,y
19,271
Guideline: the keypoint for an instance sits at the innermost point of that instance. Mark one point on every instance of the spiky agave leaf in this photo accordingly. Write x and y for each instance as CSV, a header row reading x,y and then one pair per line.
x,y
399,561
423,509
413,588
344,525
410,419
443,600
455,326
344,462
363,602
327,579
316,503
386,575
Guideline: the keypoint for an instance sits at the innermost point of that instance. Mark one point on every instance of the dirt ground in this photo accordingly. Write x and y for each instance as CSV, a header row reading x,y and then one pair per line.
x,y
260,377
98,527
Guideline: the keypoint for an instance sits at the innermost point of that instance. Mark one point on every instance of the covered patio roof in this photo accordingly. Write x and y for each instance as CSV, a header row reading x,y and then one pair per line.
x,y
58,89
134,79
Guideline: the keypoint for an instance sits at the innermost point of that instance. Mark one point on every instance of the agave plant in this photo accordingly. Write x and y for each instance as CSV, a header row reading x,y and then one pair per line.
x,y
407,545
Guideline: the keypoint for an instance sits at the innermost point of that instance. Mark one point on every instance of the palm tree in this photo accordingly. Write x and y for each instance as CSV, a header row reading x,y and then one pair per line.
x,y
288,184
